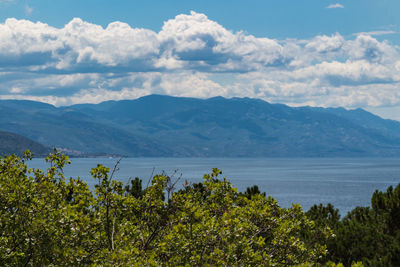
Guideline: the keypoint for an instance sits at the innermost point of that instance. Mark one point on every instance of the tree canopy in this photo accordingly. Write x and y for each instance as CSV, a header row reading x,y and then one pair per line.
x,y
47,219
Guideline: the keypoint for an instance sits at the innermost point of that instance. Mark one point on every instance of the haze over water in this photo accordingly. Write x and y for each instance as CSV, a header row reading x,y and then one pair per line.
x,y
344,182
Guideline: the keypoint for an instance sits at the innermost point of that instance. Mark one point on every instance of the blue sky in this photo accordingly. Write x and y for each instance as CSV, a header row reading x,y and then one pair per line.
x,y
275,19
310,52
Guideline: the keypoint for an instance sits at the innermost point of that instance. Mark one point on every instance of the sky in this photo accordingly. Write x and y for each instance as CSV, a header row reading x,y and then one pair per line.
x,y
343,53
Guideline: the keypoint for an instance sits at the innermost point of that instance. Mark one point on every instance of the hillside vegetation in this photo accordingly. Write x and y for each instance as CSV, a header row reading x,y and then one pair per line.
x,y
47,219
11,143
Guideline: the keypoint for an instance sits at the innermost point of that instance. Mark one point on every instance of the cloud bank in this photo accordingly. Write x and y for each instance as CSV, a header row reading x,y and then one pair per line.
x,y
192,56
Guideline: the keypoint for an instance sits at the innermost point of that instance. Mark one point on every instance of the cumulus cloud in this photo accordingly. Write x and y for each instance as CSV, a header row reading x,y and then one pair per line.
x,y
185,42
78,46
337,5
192,56
200,42
325,44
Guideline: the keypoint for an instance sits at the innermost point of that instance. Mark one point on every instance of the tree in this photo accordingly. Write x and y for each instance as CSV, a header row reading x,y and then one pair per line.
x,y
47,220
370,235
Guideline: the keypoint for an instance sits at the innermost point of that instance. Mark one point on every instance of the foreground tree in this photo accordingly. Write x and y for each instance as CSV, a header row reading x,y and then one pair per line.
x,y
47,220
370,235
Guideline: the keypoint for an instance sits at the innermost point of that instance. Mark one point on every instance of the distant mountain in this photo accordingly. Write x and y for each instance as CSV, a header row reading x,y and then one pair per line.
x,y
11,143
70,129
158,125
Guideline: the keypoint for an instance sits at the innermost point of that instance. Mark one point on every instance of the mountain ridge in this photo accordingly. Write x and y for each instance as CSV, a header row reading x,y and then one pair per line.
x,y
167,126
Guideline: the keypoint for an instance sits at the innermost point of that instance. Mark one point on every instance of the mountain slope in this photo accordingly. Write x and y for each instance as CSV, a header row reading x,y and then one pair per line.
x,y
158,125
11,143
67,128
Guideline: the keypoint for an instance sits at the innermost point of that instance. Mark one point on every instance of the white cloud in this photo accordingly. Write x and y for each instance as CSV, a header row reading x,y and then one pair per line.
x,y
325,44
200,42
337,5
185,42
369,48
376,33
28,10
192,56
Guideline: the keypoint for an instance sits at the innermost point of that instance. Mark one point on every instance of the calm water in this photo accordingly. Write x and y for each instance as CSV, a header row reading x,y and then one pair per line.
x,y
344,182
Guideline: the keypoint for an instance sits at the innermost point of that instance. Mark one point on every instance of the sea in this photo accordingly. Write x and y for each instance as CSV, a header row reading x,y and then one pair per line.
x,y
344,182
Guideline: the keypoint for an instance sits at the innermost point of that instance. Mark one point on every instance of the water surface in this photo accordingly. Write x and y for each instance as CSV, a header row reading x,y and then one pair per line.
x,y
344,182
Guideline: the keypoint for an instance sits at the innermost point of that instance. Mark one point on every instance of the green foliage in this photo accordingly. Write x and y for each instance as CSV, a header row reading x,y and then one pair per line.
x,y
135,189
387,206
370,235
46,220
325,216
332,264
41,220
252,191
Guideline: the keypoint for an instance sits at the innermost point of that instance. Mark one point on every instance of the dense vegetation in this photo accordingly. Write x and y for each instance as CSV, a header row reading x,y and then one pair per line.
x,y
46,219
370,235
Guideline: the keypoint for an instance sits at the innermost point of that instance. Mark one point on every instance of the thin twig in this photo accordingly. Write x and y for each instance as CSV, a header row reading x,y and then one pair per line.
x,y
151,177
115,168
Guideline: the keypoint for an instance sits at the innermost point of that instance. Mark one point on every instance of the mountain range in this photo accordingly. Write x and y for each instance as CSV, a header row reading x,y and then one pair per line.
x,y
165,126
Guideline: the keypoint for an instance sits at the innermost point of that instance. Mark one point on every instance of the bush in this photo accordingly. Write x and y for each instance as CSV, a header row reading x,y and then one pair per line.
x,y
46,219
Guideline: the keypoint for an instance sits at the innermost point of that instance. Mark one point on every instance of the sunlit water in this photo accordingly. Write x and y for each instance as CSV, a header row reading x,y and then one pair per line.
x,y
344,182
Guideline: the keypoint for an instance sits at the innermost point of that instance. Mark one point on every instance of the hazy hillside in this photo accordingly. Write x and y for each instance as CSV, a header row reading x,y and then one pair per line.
x,y
67,128
15,144
217,127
